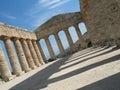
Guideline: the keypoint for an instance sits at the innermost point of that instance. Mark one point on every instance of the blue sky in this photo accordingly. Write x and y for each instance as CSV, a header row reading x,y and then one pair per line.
x,y
30,14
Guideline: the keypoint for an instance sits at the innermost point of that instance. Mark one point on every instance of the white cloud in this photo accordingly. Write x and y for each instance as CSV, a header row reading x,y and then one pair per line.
x,y
8,16
50,4
58,4
39,16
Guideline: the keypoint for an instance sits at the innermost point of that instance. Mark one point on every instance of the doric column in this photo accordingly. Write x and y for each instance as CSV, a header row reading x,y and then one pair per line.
x,y
21,55
81,39
28,54
4,69
38,52
13,59
40,49
60,46
50,48
71,44
33,53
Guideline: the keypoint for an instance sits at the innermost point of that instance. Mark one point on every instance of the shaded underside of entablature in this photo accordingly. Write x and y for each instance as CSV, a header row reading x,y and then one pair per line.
x,y
11,31
57,23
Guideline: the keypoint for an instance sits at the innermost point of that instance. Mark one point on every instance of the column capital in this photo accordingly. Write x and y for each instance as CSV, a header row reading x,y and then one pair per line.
x,y
65,29
22,39
56,33
76,25
5,38
46,37
15,38
28,40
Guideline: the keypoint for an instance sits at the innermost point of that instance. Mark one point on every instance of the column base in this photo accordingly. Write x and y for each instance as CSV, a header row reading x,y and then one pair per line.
x,y
21,73
42,63
33,67
29,69
9,78
38,65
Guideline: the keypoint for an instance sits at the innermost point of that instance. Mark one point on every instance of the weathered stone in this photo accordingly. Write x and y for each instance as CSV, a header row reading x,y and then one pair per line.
x,y
81,39
21,56
58,23
102,20
69,39
40,49
28,54
62,51
33,53
13,59
50,48
4,69
11,31
38,52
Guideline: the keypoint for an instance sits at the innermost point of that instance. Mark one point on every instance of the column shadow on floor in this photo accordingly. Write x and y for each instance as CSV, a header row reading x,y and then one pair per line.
x,y
80,56
109,83
41,79
113,49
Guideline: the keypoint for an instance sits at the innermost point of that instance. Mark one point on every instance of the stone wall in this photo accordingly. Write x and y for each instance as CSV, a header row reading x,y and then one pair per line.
x,y
102,19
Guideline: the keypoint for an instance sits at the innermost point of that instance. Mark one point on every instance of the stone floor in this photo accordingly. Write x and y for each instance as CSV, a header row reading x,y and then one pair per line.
x,y
90,69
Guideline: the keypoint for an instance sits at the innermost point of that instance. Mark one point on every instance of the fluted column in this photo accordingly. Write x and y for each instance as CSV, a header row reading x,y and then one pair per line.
x,y
13,59
40,49
81,39
38,52
62,51
21,55
33,53
50,48
71,44
28,54
4,69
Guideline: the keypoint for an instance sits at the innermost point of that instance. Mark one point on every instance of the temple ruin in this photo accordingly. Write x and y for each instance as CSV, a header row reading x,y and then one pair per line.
x,y
101,20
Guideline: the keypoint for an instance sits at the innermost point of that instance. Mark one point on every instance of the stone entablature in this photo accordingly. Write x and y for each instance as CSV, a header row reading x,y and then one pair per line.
x,y
11,31
58,23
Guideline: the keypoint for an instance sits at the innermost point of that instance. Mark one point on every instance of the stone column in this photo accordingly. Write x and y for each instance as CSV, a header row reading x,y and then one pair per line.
x,y
40,49
38,52
28,54
13,59
81,39
50,48
33,53
21,55
4,69
71,44
60,46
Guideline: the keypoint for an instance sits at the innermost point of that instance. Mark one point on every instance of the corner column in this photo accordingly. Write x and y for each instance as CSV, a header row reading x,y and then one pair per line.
x,y
71,44
4,69
13,59
37,51
33,53
81,39
62,51
21,55
28,54
50,48
40,49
